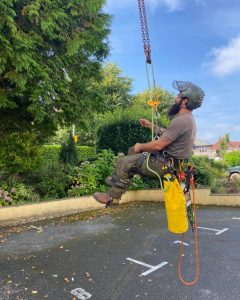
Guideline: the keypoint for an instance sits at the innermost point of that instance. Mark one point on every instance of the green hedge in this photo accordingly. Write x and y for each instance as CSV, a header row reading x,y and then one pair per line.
x,y
232,158
19,152
121,135
85,152
51,153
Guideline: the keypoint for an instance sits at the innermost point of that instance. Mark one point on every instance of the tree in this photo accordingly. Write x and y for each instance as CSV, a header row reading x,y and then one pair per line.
x,y
51,55
223,145
163,96
68,152
117,88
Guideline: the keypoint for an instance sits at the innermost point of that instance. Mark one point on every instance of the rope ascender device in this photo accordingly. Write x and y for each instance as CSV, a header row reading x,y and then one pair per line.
x,y
180,205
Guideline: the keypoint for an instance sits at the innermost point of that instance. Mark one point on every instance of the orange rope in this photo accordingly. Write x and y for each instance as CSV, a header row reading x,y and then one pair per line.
x,y
196,246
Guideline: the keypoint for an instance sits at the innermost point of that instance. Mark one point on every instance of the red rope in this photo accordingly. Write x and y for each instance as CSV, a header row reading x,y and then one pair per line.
x,y
197,274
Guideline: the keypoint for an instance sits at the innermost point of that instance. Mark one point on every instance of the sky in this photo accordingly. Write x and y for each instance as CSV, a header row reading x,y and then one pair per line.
x,y
192,40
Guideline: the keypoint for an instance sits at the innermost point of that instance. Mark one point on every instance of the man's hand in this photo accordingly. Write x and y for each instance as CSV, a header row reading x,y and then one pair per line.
x,y
152,146
145,123
137,148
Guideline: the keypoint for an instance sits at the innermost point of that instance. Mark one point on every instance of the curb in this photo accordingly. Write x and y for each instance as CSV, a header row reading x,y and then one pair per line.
x,y
57,208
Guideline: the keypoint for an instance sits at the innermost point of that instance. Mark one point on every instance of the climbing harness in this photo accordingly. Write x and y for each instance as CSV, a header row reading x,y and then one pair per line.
x,y
179,206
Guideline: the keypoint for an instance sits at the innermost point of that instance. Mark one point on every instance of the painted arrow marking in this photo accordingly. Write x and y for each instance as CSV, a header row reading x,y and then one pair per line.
x,y
179,242
81,294
151,268
217,230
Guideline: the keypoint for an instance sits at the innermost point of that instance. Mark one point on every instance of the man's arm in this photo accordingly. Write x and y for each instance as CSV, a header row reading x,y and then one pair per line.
x,y
147,124
152,146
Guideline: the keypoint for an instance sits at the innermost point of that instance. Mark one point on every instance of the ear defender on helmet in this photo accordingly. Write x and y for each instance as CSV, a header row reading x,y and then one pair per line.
x,y
191,91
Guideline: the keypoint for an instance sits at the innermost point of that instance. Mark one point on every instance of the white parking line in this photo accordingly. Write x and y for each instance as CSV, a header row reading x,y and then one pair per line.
x,y
81,294
180,242
151,268
139,262
221,231
217,230
154,268
234,218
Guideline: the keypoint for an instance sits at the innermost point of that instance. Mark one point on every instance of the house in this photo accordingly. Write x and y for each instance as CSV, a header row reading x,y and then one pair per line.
x,y
203,148
232,146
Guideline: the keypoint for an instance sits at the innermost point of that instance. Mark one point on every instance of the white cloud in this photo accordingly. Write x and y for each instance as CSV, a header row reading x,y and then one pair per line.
x,y
226,59
211,131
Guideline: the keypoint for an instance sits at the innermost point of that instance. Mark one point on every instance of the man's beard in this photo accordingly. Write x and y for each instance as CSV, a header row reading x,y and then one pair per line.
x,y
173,110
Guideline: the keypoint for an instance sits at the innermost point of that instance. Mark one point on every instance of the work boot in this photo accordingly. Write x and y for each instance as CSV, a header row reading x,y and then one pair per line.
x,y
103,198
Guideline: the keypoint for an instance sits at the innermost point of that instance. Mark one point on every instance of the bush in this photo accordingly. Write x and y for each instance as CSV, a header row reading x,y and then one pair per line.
x,y
90,176
232,158
51,181
206,170
225,186
120,136
203,171
50,153
19,152
143,183
17,191
68,152
85,152
5,198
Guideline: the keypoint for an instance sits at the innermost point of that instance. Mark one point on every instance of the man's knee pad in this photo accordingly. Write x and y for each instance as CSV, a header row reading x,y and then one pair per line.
x,y
116,181
136,168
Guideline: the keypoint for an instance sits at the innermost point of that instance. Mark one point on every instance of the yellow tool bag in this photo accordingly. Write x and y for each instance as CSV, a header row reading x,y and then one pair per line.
x,y
175,204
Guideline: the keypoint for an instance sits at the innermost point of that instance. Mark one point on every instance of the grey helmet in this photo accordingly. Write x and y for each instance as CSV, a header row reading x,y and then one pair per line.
x,y
191,91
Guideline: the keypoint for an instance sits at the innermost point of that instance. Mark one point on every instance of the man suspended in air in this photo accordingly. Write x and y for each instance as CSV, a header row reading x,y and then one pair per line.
x,y
174,144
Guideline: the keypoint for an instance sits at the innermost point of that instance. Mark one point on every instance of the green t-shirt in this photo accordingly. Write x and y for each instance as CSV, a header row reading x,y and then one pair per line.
x,y
182,132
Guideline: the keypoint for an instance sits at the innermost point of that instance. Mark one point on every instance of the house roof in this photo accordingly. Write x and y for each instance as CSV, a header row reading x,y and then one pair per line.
x,y
200,143
234,145
231,145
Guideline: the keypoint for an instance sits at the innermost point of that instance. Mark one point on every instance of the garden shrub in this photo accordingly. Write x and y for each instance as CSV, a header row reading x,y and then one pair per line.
x,y
21,193
232,158
207,169
19,152
120,136
203,171
51,153
143,183
51,180
85,152
90,176
225,186
17,191
68,152
5,198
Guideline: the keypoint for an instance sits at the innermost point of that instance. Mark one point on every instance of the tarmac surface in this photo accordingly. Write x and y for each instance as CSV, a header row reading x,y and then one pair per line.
x,y
121,253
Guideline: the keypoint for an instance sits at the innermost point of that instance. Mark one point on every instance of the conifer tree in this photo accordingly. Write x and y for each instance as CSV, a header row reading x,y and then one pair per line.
x,y
51,55
68,152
